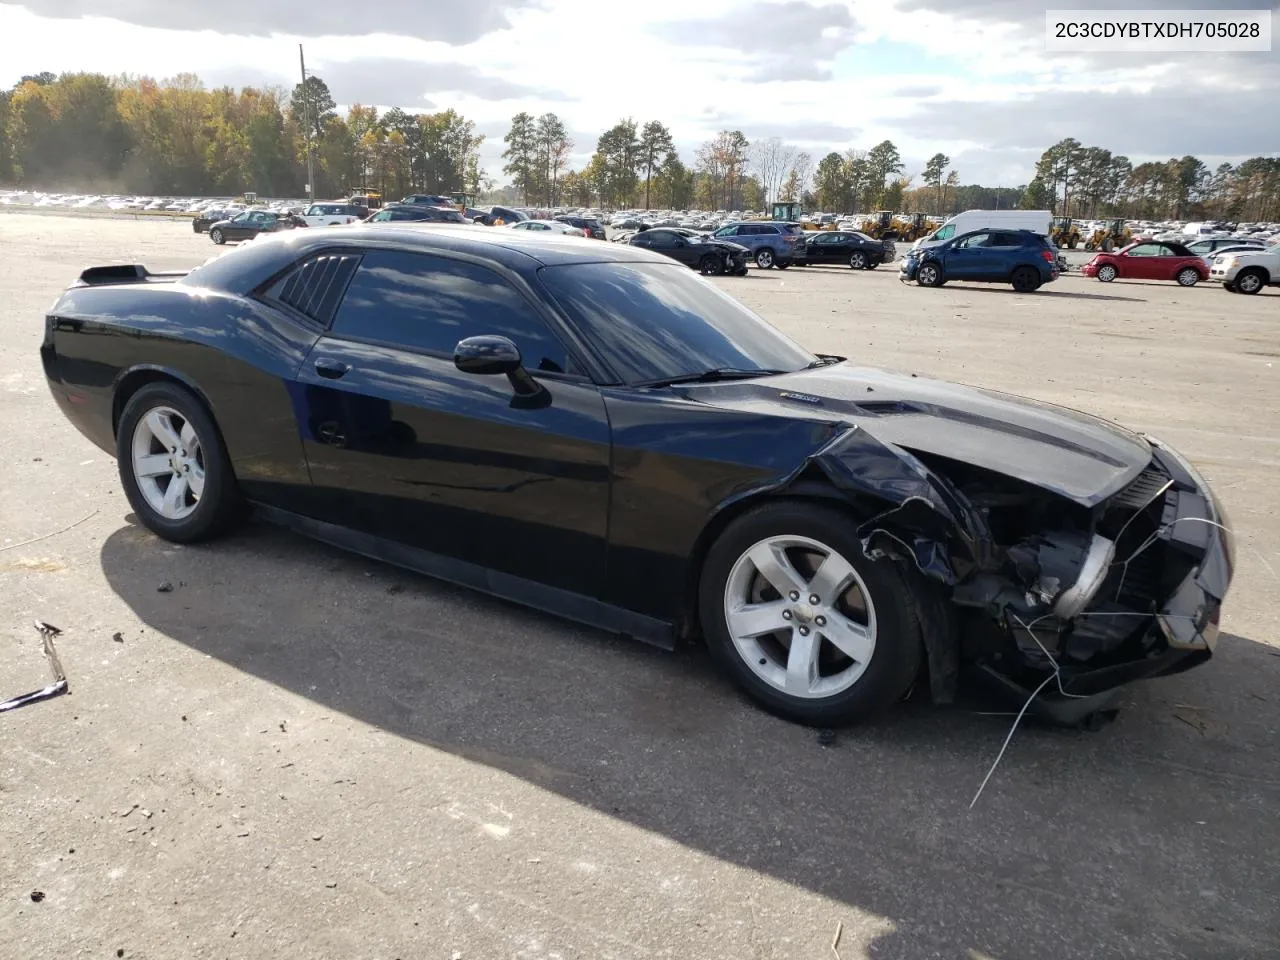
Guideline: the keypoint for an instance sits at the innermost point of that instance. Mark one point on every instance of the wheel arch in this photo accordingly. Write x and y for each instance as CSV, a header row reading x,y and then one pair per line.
x,y
130,381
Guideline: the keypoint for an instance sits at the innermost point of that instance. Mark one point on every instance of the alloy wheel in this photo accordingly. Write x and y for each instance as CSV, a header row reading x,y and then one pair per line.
x,y
168,463
800,617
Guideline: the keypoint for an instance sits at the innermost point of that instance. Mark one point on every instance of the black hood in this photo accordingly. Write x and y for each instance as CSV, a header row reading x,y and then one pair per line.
x,y
1080,457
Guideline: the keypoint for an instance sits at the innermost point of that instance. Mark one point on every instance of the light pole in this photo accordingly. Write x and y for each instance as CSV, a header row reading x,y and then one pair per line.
x,y
306,123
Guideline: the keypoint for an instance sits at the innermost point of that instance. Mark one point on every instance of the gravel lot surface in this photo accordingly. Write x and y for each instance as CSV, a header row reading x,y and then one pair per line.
x,y
299,753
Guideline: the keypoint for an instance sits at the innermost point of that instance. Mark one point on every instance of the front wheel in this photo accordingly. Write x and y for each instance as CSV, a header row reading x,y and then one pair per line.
x,y
929,275
217,237
710,266
1107,273
1250,281
1188,277
173,465
803,622
857,260
764,259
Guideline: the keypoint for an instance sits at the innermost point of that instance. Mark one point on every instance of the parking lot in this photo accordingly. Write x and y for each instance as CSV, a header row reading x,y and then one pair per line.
x,y
294,752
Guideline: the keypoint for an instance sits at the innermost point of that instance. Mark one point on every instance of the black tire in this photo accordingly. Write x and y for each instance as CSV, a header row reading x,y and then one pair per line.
x,y
220,503
1106,273
1250,281
1230,288
929,274
710,266
1108,245
899,646
783,266
1188,277
1025,279
858,260
1072,245
765,258
216,236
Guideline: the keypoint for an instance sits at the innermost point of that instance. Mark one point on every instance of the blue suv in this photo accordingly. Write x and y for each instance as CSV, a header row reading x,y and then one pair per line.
x,y
772,244
1018,257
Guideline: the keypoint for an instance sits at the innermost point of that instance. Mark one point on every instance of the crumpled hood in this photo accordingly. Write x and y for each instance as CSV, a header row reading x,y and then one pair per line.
x,y
1078,456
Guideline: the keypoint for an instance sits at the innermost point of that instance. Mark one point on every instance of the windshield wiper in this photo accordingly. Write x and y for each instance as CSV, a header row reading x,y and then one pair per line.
x,y
711,376
826,360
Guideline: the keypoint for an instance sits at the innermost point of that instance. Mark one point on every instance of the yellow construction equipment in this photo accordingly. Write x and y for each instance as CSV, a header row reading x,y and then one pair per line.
x,y
911,228
1065,233
880,225
1112,234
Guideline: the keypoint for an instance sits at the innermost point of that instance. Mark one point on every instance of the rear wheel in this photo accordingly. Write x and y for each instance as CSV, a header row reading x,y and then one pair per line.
x,y
1188,277
216,236
764,259
1250,281
803,622
1108,245
1025,279
173,465
929,275
857,260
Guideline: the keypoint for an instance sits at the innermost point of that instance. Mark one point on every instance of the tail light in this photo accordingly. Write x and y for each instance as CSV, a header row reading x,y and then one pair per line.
x,y
1048,256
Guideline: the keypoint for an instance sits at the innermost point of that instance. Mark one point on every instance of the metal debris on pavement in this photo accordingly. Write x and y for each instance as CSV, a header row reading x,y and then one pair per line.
x,y
59,686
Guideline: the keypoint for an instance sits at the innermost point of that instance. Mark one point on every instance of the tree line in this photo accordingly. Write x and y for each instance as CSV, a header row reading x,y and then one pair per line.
x,y
88,131
125,134
637,165
1075,180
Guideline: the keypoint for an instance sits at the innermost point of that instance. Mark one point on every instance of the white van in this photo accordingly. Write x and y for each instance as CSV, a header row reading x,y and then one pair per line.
x,y
1039,221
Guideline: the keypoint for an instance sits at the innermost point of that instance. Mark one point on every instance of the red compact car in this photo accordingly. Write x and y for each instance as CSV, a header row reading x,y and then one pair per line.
x,y
1149,260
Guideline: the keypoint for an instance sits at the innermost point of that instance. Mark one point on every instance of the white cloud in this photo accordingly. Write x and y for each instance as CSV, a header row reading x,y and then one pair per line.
x,y
968,77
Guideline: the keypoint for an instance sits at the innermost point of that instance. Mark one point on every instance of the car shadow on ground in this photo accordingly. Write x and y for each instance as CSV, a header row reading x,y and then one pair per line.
x,y
996,290
1151,837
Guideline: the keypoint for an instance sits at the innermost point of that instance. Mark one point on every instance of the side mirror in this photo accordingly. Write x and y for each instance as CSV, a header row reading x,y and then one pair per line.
x,y
487,355
493,355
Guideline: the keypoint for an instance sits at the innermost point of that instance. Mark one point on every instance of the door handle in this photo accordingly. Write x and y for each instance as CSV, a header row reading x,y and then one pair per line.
x,y
331,369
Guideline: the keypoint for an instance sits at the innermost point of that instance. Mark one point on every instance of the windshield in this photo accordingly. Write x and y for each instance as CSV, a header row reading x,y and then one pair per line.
x,y
652,321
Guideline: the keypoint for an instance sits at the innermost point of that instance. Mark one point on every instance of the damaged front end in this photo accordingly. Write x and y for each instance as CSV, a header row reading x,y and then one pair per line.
x,y
1099,595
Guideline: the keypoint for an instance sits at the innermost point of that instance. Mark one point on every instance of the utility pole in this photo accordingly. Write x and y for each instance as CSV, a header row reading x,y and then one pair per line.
x,y
306,122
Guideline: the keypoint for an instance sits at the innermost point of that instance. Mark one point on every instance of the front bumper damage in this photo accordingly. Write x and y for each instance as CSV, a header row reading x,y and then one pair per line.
x,y
1131,590
1146,611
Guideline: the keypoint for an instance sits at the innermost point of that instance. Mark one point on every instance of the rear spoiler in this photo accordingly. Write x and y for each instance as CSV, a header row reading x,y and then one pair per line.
x,y
124,273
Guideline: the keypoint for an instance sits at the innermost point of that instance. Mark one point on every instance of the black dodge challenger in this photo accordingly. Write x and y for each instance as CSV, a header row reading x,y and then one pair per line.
x,y
594,430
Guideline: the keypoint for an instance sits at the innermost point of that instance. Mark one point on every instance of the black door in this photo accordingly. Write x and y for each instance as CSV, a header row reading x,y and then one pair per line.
x,y
404,446
826,248
673,245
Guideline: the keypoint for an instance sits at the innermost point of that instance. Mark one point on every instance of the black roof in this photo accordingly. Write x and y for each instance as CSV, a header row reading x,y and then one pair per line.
x,y
247,266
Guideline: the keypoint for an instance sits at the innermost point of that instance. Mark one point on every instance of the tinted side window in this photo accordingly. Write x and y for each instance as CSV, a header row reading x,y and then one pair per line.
x,y
727,232
429,303
315,287
1002,239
